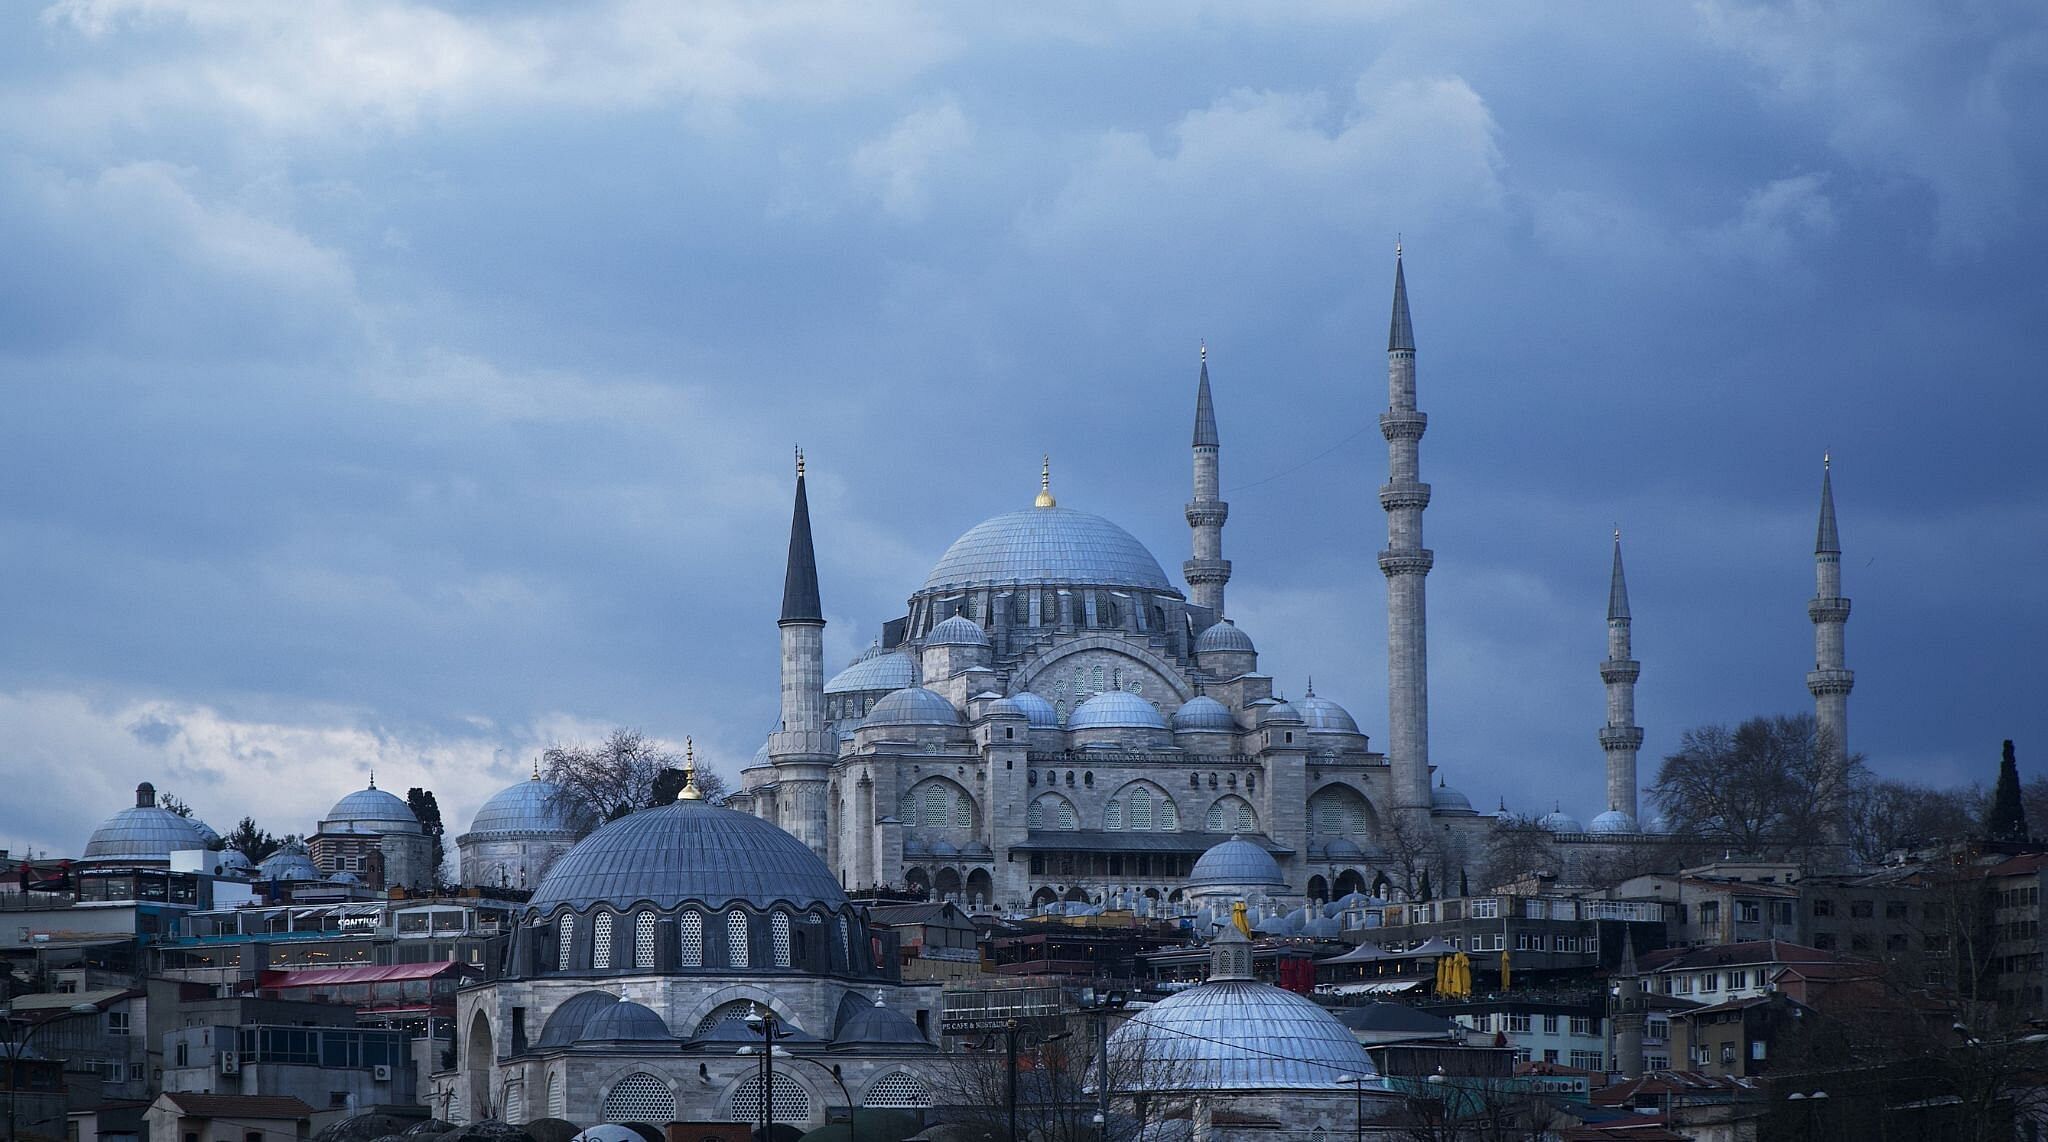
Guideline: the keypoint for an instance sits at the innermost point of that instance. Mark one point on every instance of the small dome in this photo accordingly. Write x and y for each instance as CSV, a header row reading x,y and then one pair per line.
x,y
288,863
945,848
913,706
565,1023
1003,708
1202,714
207,835
1277,712
1236,863
688,851
1037,711
1324,716
1444,799
624,1021
1558,821
1324,928
1343,848
875,670
1224,636
1274,926
876,1025
761,756
232,862
1115,709
371,810
1239,1034
526,808
1613,821
956,631
345,877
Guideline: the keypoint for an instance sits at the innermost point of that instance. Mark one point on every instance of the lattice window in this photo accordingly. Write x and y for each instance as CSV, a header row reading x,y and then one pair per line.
x,y
735,1011
640,1097
1141,810
558,1097
690,927
601,941
1034,818
1113,815
1247,821
1169,815
515,1103
567,943
935,805
963,812
1214,822
643,940
899,1089
907,811
1068,820
792,1102
846,940
779,926
738,949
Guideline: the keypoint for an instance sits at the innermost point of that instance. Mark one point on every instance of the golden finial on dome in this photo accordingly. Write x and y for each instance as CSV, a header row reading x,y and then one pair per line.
x,y
1045,499
690,792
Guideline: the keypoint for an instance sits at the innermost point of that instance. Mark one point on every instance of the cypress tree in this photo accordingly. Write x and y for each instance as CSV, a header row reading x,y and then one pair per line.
x,y
1425,894
2007,818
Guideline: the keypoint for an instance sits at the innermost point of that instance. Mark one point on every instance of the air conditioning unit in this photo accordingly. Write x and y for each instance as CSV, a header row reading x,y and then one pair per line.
x,y
381,1072
230,1063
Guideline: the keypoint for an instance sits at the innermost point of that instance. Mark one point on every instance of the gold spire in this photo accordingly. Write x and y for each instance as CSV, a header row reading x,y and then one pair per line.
x,y
690,791
1045,499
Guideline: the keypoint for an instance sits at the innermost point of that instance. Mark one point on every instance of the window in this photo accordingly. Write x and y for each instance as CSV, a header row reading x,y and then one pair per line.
x,y
1824,940
899,1089
690,926
792,1102
1034,818
1550,1025
640,1097
1488,909
963,812
1823,908
643,940
117,1022
779,926
1550,1054
601,941
1657,1028
1710,981
1710,913
1728,1053
1859,943
567,947
935,805
1518,1023
1113,815
906,810
1895,910
1860,909
1739,979
1588,1060
1067,817
1169,816
1748,912
1582,1025
1141,809
736,943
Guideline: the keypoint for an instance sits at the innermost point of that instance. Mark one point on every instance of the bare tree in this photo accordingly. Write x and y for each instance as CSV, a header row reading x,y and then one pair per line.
x,y
1887,816
1413,850
596,784
1516,849
1477,1109
1057,1095
1770,785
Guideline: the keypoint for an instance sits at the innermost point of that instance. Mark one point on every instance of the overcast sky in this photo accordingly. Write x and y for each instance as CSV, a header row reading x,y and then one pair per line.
x,y
406,386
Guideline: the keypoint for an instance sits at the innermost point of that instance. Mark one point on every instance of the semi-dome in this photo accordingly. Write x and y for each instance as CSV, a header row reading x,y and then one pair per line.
x,y
565,1023
1612,821
913,706
288,863
526,808
956,631
1236,863
370,810
1049,545
1343,848
1115,710
143,831
688,851
1038,712
1203,713
1324,716
877,669
624,1021
1224,636
1444,799
1239,1034
1559,821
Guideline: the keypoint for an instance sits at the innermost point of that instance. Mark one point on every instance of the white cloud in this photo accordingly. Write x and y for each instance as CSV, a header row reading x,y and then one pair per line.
x,y
898,165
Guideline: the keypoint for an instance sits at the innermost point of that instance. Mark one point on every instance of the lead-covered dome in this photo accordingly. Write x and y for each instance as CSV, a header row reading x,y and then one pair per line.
x,y
1236,863
1038,712
624,1021
1203,713
875,669
688,851
1115,710
1559,821
1049,545
1612,821
1239,1034
289,862
370,810
1224,636
956,631
526,809
1444,799
913,706
1324,716
144,831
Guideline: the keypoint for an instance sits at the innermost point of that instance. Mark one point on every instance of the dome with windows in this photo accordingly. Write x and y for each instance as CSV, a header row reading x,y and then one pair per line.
x,y
1224,636
913,706
956,631
688,851
1115,709
1203,714
1236,863
876,669
370,810
1048,545
143,831
1038,712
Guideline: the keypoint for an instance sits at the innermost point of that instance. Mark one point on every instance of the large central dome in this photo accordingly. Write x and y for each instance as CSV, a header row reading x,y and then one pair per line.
x,y
688,852
1049,545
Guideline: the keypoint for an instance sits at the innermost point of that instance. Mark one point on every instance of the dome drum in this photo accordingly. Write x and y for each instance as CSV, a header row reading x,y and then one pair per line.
x,y
737,939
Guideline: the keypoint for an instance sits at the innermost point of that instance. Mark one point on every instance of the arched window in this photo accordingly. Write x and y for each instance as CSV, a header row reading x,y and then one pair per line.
x,y
792,1102
1214,822
907,811
1247,819
643,940
1034,817
935,805
963,812
640,1097
1169,816
601,941
1113,815
846,941
558,1097
690,927
1141,809
1068,819
737,949
567,943
779,926
515,1104
734,1012
899,1089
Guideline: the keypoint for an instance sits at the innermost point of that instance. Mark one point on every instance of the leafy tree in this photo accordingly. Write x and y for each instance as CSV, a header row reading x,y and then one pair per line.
x,y
1770,784
2007,819
174,804
253,842
428,810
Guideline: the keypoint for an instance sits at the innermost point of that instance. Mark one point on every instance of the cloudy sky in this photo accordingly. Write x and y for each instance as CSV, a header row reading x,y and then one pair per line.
x,y
407,386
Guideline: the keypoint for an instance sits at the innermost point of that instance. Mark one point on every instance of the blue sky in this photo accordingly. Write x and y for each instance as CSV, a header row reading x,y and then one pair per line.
x,y
406,386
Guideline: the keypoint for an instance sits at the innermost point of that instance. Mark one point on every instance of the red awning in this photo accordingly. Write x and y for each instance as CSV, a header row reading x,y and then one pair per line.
x,y
363,973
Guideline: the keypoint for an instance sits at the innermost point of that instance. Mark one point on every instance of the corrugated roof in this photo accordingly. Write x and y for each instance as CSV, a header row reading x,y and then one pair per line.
x,y
60,1000
238,1105
365,973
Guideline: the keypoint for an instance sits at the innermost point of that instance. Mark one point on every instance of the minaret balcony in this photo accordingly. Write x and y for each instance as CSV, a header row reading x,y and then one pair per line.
x,y
1208,513
1206,571
1616,670
1403,425
1404,494
1830,681
1621,737
1413,561
1828,610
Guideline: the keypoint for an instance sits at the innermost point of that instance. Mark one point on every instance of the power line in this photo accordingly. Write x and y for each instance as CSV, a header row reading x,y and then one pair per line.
x,y
1298,467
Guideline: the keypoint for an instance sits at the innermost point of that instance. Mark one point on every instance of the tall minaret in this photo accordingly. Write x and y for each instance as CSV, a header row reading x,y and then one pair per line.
x,y
1829,681
799,749
1208,571
1406,563
1620,737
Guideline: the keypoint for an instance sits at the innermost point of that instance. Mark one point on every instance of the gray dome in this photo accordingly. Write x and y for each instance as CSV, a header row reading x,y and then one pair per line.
x,y
1236,863
877,669
913,706
1037,711
956,631
1237,1034
1115,709
1342,848
1048,545
688,851
624,1021
207,833
1613,821
232,862
1324,928
761,756
1324,716
1203,713
371,810
288,863
1558,821
1444,799
1279,711
522,808
1224,636
881,1026
1003,707
142,832
565,1023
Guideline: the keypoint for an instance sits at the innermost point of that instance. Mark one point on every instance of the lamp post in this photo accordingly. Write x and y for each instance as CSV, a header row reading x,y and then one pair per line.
x,y
17,1042
1010,1045
832,1072
762,1021
1358,1113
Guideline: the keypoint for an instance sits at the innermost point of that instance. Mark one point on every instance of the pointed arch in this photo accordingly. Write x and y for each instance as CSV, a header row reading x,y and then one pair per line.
x,y
640,1097
1052,811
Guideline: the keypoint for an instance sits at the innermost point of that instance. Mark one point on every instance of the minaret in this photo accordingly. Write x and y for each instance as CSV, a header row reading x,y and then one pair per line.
x,y
1620,737
1829,681
1208,571
799,750
1406,563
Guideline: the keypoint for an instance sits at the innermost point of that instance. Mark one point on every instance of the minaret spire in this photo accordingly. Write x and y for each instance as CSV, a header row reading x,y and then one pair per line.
x,y
799,752
1207,571
1620,737
800,601
1406,563
1830,680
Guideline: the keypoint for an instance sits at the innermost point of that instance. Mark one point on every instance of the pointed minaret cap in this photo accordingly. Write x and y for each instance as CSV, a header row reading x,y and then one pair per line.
x,y
1205,408
800,602
1617,589
1045,499
1401,331
1829,542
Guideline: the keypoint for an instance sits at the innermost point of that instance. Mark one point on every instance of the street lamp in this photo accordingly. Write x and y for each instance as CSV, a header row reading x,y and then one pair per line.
x,y
762,1022
832,1072
18,1041
1358,1087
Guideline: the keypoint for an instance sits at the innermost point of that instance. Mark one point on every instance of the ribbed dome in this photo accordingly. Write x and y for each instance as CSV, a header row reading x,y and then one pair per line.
x,y
232,862
1203,713
913,706
288,863
880,1026
565,1023
1001,708
1115,709
523,808
1324,716
624,1021
1613,821
688,851
1237,1034
371,810
1444,799
887,670
1342,848
956,631
142,832
1224,636
1048,545
1037,711
1559,821
1236,863
1277,712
